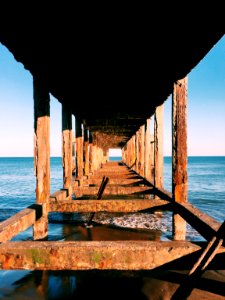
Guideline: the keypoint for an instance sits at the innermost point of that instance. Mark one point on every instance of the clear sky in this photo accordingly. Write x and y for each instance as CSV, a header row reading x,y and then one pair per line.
x,y
206,108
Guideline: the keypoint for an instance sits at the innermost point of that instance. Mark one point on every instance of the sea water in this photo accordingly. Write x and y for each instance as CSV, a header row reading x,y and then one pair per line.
x,y
206,190
206,186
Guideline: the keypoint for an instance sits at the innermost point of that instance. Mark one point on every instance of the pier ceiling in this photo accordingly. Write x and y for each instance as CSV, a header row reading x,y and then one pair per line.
x,y
112,73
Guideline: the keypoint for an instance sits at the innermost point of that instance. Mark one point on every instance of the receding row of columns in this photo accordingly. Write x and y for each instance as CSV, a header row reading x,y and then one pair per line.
x,y
144,152
89,154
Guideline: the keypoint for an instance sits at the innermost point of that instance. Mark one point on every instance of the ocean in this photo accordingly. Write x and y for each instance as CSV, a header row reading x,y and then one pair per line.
x,y
206,186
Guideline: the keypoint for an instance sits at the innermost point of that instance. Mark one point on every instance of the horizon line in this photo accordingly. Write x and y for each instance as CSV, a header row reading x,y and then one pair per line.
x,y
57,156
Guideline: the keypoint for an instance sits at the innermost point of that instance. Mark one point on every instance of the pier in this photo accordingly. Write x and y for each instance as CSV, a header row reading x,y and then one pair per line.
x,y
101,97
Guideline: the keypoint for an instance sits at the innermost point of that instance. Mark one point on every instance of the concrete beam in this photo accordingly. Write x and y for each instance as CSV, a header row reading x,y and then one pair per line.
x,y
19,222
105,205
60,195
204,224
111,190
101,255
123,181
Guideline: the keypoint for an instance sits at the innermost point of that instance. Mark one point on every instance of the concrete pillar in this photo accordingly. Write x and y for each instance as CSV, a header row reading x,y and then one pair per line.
x,y
86,152
41,154
79,150
67,139
158,146
179,153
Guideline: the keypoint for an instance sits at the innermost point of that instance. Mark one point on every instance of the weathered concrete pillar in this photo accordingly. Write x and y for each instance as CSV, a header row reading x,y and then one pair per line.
x,y
142,150
41,154
79,150
86,152
147,150
90,152
133,162
67,139
105,155
94,153
152,159
158,146
101,156
124,154
137,151
129,153
179,153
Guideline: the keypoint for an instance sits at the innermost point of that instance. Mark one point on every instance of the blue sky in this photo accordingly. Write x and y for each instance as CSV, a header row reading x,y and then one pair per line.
x,y
206,108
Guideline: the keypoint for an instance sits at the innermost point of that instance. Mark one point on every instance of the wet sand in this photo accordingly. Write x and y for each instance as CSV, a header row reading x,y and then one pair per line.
x,y
154,285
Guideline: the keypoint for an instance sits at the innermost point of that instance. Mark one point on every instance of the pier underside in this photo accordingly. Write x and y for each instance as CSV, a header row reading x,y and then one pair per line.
x,y
122,73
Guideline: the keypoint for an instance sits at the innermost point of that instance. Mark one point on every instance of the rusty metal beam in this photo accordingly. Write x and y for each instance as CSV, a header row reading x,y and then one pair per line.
x,y
105,205
103,255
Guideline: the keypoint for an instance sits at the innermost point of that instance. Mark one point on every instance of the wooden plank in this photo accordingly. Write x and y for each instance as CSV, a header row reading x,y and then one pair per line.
x,y
41,152
179,153
105,205
67,159
158,145
103,255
